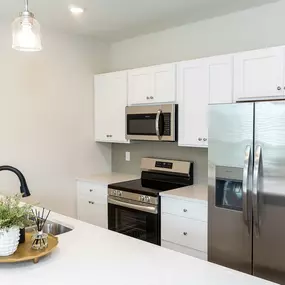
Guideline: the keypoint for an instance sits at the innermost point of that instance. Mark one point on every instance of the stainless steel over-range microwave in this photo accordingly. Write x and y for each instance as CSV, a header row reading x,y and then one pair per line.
x,y
152,123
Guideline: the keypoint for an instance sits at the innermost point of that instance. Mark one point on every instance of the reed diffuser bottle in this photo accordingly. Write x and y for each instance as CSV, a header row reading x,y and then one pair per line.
x,y
39,238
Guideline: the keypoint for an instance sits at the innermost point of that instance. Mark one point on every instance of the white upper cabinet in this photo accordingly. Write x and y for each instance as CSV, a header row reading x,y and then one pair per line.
x,y
201,82
220,79
140,82
152,85
193,103
164,83
259,74
110,103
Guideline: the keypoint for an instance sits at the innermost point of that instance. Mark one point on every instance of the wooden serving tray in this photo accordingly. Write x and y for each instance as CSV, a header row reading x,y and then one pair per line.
x,y
26,253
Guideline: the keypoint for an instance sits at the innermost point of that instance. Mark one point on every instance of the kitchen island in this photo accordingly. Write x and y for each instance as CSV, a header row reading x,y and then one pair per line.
x,y
93,255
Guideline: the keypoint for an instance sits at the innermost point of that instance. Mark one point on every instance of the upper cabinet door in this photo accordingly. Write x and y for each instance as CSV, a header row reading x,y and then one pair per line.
x,y
152,85
259,74
193,103
220,76
110,104
140,82
164,80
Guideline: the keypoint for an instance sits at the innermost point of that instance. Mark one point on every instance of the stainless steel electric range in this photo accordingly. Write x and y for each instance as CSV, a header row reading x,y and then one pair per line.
x,y
134,206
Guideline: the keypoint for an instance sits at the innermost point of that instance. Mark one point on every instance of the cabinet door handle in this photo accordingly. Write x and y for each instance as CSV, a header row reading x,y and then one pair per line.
x,y
90,202
185,233
279,88
185,210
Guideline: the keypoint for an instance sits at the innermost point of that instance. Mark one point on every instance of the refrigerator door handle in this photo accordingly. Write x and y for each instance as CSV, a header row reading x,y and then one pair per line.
x,y
245,185
256,178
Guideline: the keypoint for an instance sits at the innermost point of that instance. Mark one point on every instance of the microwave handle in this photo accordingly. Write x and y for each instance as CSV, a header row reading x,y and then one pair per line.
x,y
159,112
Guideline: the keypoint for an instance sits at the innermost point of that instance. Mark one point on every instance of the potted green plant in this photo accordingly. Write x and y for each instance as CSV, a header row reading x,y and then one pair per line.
x,y
13,217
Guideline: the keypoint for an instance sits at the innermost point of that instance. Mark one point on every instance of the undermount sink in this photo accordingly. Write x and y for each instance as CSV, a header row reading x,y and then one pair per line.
x,y
51,228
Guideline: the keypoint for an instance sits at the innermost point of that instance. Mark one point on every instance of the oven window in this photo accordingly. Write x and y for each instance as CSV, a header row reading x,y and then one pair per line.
x,y
133,223
142,124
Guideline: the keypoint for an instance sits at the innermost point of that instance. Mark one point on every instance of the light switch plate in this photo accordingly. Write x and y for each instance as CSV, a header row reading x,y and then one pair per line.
x,y
128,156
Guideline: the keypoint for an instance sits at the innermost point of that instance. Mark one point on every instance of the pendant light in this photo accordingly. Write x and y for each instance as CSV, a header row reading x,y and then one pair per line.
x,y
26,32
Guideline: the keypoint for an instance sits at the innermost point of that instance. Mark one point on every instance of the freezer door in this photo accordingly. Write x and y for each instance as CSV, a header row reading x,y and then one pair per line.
x,y
229,190
269,192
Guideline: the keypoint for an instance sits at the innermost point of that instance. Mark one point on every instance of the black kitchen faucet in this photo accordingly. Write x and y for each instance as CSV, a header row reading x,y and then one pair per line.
x,y
24,187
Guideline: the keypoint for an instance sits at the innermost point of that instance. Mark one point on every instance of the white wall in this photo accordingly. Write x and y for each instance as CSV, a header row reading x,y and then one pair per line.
x,y
46,117
250,29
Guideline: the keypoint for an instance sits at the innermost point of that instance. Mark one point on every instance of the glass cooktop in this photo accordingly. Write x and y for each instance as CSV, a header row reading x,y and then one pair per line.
x,y
142,186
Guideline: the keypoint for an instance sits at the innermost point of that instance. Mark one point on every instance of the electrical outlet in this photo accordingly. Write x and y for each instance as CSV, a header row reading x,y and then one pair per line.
x,y
128,156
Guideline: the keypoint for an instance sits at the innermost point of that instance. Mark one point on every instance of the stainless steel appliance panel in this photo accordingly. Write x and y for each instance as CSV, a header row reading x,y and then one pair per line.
x,y
229,192
150,122
269,192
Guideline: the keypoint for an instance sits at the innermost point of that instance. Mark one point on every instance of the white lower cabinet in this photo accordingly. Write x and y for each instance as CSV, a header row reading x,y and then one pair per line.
x,y
184,231
92,203
184,226
186,250
92,212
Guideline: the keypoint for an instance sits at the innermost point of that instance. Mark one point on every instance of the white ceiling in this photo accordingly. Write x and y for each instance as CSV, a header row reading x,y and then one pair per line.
x,y
118,19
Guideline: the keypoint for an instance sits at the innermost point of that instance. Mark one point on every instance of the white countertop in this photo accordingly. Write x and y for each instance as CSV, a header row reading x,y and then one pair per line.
x,y
195,193
108,178
92,255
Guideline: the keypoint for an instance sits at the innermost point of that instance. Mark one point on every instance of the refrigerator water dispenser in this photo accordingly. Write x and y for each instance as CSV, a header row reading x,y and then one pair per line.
x,y
229,187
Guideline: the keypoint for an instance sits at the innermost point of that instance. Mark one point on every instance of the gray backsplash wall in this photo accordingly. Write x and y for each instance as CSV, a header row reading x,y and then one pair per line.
x,y
161,150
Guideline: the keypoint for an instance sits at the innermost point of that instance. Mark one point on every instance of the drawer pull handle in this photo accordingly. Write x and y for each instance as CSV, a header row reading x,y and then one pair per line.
x,y
185,210
185,233
90,202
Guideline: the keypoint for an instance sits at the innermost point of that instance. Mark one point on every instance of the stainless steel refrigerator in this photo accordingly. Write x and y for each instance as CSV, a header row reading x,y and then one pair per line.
x,y
246,229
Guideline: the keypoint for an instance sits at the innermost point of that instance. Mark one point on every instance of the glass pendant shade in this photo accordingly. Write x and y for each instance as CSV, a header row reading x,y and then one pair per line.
x,y
26,33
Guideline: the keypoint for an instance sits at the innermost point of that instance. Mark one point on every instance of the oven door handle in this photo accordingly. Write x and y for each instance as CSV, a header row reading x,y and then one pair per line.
x,y
157,121
133,205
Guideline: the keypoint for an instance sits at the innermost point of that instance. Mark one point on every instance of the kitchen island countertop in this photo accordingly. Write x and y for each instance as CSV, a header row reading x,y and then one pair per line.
x,y
93,255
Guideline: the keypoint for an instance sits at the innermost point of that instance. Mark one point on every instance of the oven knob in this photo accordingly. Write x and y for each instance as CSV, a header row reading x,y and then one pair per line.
x,y
147,199
120,193
142,198
115,193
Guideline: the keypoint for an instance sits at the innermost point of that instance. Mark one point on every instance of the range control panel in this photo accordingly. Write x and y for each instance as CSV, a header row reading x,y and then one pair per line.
x,y
163,164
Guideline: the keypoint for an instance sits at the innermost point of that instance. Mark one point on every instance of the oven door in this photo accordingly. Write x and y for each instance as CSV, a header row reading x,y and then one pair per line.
x,y
134,219
151,123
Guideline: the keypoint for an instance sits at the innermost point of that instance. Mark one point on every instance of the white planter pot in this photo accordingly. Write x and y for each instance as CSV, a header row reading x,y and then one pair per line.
x,y
9,241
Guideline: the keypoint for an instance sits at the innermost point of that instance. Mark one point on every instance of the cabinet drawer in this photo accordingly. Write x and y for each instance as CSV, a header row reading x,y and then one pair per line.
x,y
91,190
186,250
183,208
91,212
185,232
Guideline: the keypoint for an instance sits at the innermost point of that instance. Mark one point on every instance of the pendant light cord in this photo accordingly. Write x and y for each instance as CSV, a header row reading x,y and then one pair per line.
x,y
26,6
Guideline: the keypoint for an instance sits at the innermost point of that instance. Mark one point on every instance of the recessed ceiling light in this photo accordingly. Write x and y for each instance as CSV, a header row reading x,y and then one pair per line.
x,y
75,10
